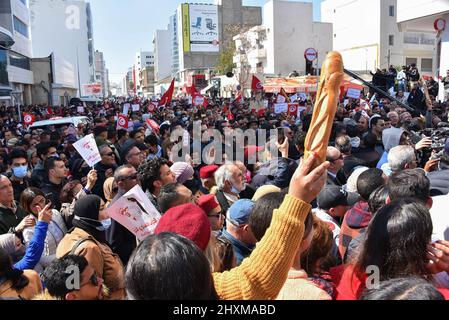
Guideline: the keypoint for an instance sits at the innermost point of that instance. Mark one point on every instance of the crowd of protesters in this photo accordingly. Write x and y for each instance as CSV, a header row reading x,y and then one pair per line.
x,y
369,223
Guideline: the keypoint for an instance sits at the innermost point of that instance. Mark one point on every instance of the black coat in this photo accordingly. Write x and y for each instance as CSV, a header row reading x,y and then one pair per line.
x,y
52,191
439,182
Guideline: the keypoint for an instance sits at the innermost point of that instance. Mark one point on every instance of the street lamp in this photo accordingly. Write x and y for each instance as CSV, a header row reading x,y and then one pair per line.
x,y
78,63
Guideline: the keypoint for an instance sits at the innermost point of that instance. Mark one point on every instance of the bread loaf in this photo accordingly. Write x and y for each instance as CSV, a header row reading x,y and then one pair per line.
x,y
326,103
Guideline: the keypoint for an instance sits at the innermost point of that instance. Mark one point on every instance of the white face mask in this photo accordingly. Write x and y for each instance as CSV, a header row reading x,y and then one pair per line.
x,y
355,142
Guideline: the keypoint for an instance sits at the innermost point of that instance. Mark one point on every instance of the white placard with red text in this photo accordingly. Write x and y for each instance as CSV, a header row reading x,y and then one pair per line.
x,y
88,149
136,213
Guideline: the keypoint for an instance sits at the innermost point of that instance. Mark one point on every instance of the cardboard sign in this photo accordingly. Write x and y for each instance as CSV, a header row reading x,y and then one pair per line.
x,y
280,107
136,107
353,93
88,149
80,109
136,213
126,107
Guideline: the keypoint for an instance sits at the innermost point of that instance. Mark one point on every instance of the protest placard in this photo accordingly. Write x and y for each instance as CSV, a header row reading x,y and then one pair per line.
x,y
353,93
280,108
126,107
80,109
136,107
136,213
87,148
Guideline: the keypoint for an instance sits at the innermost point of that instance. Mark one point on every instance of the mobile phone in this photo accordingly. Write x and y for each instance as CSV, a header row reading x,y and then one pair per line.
x,y
281,135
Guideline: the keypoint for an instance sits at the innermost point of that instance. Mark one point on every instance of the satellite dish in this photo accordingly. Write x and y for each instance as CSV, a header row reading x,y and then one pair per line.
x,y
229,75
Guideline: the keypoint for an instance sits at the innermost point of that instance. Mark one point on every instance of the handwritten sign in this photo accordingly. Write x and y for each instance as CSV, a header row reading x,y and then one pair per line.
x,y
353,93
136,213
88,149
280,108
80,109
135,107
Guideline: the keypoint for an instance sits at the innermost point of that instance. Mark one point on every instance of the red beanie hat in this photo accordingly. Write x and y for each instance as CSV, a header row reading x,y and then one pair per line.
x,y
189,221
207,172
208,203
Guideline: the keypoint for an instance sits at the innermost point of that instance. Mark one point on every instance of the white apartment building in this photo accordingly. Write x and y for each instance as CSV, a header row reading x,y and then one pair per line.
x,y
277,48
368,36
144,59
162,43
16,77
64,27
419,16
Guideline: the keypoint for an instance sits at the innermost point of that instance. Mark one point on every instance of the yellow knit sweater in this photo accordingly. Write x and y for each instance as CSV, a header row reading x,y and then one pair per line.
x,y
262,275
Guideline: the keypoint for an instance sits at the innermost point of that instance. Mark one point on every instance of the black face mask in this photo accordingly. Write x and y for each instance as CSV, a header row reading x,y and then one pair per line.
x,y
192,185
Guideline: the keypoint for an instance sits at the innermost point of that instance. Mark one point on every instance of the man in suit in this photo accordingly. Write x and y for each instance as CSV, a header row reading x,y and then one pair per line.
x,y
335,174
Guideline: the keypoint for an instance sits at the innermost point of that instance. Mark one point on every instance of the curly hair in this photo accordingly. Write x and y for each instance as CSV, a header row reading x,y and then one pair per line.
x,y
149,172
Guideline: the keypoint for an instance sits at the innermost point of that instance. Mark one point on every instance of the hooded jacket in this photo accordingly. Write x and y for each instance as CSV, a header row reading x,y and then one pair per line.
x,y
390,138
277,172
355,220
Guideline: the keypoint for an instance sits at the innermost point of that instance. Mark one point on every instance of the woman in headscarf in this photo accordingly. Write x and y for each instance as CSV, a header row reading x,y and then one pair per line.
x,y
88,239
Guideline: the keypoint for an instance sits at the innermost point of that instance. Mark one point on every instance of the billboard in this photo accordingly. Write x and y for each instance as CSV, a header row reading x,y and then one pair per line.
x,y
92,90
200,28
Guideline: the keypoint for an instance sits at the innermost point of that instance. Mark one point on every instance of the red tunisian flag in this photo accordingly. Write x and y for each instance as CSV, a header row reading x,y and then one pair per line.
x,y
168,95
257,84
28,119
122,122
293,109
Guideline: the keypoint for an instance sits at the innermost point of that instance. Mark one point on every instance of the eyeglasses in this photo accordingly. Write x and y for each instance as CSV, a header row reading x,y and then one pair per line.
x,y
110,154
218,215
93,279
131,177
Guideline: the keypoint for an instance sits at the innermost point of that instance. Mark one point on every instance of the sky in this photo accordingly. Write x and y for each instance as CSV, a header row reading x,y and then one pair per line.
x,y
124,27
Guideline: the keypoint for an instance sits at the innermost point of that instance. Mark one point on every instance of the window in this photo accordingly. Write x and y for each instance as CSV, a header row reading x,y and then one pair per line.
x,y
391,40
148,57
426,65
20,27
3,68
391,11
19,61
409,61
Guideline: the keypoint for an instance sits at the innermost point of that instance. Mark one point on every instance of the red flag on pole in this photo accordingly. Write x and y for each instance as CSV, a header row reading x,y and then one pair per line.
x,y
168,95
257,84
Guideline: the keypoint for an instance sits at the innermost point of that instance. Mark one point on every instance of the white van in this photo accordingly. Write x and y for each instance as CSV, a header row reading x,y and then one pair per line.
x,y
59,122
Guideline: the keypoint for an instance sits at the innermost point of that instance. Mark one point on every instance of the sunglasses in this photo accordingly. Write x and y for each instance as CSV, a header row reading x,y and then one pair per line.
x,y
109,154
218,215
134,176
93,279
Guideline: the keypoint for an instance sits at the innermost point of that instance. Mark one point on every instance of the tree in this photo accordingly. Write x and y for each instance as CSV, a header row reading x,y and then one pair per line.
x,y
225,61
